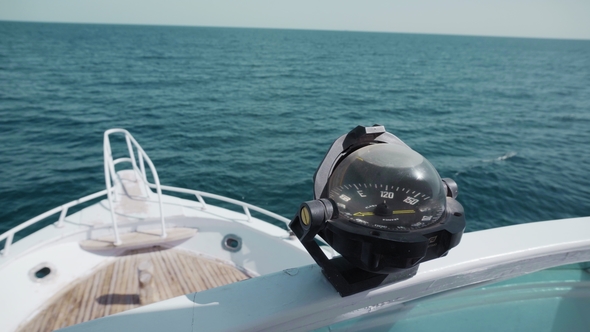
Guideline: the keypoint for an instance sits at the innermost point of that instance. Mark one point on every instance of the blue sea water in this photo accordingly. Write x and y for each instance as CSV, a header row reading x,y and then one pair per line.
x,y
249,113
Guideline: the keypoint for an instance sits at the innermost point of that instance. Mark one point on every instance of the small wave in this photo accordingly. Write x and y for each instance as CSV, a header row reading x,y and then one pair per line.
x,y
507,156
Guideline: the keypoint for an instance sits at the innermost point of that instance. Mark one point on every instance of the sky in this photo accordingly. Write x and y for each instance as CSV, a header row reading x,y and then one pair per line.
x,y
564,19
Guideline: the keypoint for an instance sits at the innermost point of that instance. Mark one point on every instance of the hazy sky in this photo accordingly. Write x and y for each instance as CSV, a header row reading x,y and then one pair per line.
x,y
522,18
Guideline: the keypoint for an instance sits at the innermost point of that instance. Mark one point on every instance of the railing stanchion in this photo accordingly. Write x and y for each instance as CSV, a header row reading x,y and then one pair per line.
x,y
7,244
62,216
202,201
247,213
142,169
110,165
158,191
131,153
108,168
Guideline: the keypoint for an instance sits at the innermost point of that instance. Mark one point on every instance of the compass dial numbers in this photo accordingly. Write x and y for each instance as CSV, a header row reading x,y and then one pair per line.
x,y
384,206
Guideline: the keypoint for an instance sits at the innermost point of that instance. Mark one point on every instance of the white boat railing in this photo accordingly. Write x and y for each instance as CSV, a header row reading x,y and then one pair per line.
x,y
110,176
247,207
63,209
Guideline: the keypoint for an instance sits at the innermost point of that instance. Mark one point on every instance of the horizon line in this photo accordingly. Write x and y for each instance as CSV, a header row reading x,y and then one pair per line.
x,y
297,29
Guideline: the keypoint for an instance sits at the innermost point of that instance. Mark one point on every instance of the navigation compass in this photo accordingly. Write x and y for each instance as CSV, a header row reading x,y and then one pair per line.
x,y
382,206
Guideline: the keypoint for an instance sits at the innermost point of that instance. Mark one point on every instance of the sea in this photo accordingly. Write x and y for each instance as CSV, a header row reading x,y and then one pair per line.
x,y
250,113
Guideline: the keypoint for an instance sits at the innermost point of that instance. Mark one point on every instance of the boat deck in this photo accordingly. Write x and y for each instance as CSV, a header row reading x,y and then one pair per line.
x,y
116,287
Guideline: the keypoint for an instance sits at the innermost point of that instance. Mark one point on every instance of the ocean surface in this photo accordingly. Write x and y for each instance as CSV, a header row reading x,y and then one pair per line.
x,y
250,113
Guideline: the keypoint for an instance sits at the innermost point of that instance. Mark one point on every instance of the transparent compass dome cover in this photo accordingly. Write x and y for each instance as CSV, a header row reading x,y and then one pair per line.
x,y
388,187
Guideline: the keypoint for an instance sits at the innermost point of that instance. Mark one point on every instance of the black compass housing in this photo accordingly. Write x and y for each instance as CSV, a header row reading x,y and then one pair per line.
x,y
382,206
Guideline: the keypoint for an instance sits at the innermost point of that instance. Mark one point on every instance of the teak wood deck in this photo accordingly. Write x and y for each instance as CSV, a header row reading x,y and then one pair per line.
x,y
115,287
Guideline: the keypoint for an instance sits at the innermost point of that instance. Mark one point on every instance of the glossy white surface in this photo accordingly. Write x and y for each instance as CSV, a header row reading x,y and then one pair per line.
x,y
302,299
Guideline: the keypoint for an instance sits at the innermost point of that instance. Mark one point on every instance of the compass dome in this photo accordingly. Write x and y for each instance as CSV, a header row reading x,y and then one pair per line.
x,y
387,186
